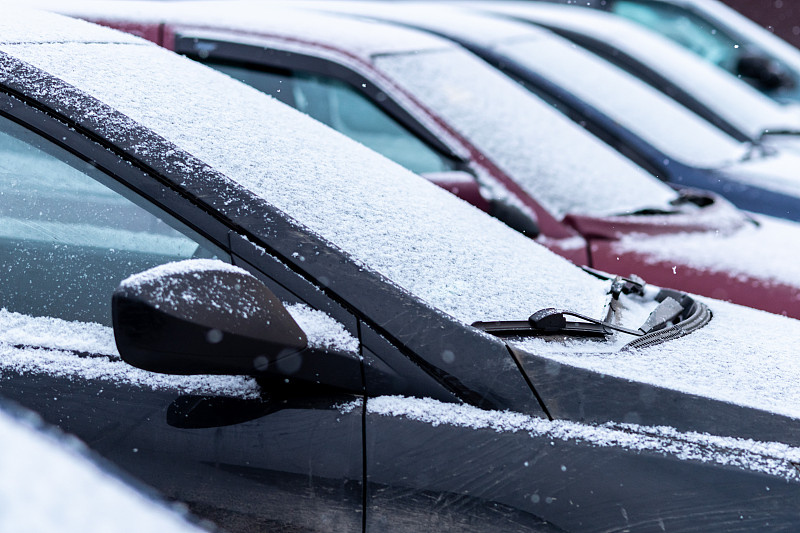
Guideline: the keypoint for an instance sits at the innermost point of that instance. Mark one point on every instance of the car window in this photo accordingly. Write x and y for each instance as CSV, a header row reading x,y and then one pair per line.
x,y
67,234
683,27
346,110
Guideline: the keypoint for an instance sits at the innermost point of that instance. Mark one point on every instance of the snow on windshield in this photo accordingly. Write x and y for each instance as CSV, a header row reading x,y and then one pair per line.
x,y
651,115
48,484
436,246
555,160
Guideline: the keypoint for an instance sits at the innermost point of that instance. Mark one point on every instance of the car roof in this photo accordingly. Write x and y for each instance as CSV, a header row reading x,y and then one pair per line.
x,y
735,100
268,18
421,238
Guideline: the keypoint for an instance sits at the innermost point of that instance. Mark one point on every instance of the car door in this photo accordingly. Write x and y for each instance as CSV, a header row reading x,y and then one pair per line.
x,y
77,217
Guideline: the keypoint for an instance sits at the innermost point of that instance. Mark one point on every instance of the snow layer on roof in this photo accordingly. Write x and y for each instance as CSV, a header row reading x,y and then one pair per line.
x,y
653,116
444,18
736,101
768,457
18,26
743,356
359,37
48,484
425,240
767,252
555,160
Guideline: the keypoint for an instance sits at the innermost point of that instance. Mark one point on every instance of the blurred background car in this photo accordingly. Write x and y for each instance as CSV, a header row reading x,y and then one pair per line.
x,y
658,134
720,35
283,329
593,206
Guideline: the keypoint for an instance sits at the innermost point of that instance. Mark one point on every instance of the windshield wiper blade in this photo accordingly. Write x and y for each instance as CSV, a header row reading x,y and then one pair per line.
x,y
552,321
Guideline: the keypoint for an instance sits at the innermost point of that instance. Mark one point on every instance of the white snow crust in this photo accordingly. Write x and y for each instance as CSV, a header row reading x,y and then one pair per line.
x,y
736,101
385,217
778,172
322,330
766,252
767,457
548,155
48,484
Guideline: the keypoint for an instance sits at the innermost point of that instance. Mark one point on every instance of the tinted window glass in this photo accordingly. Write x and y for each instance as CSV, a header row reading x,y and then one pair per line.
x,y
66,237
346,110
684,28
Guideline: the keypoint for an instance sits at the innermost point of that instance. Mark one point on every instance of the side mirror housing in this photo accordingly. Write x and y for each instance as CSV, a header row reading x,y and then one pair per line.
x,y
765,72
202,317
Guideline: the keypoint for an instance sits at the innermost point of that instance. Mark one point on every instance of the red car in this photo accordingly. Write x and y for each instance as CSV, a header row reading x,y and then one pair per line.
x,y
430,105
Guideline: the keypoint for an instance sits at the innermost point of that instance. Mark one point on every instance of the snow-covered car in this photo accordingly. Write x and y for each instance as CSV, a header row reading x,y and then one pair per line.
x,y
720,35
324,340
646,126
724,100
51,482
593,205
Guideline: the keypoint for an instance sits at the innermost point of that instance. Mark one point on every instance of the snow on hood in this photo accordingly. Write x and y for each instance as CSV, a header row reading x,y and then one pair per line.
x,y
779,172
738,102
472,267
767,457
49,484
743,356
765,252
552,158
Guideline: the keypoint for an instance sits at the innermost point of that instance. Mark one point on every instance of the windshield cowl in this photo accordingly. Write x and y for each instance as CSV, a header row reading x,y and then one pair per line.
x,y
692,212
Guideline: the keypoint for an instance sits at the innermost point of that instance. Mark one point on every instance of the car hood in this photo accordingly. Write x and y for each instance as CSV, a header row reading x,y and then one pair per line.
x,y
779,172
696,211
723,366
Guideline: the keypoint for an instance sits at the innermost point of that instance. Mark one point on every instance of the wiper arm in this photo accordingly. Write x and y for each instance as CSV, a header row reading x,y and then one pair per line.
x,y
670,310
553,322
777,131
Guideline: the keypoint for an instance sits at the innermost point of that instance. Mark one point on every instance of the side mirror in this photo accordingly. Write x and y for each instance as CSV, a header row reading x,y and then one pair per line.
x,y
515,217
207,317
767,73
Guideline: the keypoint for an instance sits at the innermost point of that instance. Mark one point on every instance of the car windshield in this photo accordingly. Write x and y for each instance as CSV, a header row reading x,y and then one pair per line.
x,y
421,238
653,116
552,158
683,27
